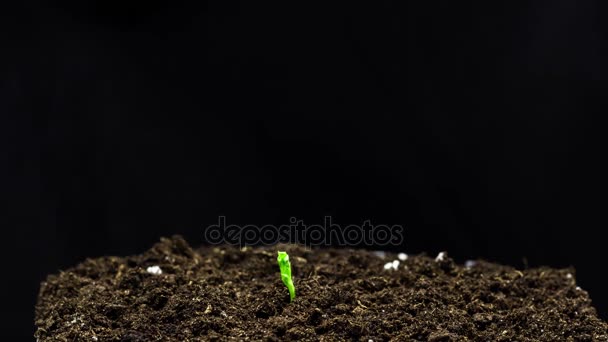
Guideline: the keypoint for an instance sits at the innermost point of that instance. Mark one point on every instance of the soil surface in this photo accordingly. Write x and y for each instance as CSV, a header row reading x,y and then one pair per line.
x,y
227,293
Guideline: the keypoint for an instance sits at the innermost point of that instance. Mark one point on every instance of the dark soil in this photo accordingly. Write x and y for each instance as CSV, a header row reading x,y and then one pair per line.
x,y
231,293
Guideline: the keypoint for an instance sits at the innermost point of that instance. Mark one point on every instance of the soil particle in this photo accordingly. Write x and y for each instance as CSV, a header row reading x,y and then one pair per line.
x,y
228,293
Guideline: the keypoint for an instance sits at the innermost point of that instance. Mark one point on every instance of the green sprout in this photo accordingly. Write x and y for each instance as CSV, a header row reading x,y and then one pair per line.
x,y
285,267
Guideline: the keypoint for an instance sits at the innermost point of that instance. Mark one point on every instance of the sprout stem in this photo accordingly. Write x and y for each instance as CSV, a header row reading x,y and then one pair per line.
x,y
285,267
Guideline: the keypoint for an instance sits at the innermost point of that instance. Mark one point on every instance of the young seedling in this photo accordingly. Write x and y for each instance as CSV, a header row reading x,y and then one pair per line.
x,y
285,267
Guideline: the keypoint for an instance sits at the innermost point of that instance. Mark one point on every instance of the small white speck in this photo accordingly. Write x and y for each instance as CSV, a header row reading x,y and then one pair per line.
x,y
578,288
154,270
223,314
440,256
569,276
94,338
370,340
169,259
469,263
402,256
77,319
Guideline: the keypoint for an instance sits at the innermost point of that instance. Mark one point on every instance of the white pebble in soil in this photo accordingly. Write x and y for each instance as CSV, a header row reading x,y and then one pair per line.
x,y
470,263
440,257
380,254
402,256
154,270
392,265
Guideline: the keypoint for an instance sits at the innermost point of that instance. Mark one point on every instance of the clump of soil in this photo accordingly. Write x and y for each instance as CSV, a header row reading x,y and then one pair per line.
x,y
225,293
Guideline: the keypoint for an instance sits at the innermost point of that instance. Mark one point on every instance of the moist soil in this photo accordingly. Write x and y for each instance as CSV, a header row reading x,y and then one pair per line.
x,y
229,293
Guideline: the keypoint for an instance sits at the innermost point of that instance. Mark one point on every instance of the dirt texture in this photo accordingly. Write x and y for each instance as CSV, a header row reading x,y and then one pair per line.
x,y
229,293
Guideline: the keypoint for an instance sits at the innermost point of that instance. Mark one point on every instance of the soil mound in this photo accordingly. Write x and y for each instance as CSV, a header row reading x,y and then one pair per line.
x,y
175,293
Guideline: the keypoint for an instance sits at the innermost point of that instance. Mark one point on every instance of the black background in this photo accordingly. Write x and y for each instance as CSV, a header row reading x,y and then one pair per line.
x,y
474,126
